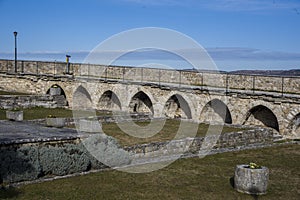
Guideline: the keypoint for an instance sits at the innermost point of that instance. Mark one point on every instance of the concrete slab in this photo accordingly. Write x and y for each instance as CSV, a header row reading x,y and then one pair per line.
x,y
12,132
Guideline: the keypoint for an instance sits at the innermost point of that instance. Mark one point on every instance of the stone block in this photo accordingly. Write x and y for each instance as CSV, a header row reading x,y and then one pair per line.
x,y
91,126
56,122
14,115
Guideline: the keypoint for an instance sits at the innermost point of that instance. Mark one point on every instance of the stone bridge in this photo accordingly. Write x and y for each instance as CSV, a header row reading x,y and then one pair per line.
x,y
204,96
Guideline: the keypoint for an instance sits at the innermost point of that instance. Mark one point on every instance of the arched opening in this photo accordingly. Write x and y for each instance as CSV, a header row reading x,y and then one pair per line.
x,y
141,103
216,111
58,94
177,107
109,102
82,99
261,116
294,125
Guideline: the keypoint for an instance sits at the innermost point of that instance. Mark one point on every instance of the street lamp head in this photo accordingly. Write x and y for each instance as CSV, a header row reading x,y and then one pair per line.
x,y
15,33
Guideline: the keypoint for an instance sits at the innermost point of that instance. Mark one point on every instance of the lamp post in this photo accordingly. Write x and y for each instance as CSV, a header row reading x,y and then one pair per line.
x,y
68,63
16,67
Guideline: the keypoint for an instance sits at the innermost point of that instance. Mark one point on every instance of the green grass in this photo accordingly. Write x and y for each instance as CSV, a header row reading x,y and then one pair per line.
x,y
12,93
167,133
40,113
193,178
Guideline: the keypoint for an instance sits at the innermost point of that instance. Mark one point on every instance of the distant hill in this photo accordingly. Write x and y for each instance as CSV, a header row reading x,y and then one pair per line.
x,y
293,72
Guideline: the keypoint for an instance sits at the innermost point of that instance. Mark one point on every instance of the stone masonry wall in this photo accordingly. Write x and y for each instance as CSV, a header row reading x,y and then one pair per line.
x,y
33,67
30,161
285,107
29,101
231,140
25,162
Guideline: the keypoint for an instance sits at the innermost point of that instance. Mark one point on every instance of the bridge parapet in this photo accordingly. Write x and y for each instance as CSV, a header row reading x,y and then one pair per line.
x,y
241,82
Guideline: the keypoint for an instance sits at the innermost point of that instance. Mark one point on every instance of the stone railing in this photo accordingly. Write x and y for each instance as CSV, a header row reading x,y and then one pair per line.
x,y
179,78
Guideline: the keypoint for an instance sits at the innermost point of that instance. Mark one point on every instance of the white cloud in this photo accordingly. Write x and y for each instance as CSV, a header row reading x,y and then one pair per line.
x,y
227,58
239,53
224,5
223,53
252,5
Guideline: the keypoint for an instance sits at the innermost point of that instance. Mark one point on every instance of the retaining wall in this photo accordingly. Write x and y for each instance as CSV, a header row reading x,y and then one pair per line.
x,y
30,161
241,139
29,101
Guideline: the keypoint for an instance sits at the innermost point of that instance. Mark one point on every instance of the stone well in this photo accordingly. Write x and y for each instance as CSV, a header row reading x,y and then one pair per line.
x,y
251,181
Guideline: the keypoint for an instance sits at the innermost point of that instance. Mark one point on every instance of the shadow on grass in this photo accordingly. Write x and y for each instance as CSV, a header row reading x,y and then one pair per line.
x,y
7,193
254,190
231,181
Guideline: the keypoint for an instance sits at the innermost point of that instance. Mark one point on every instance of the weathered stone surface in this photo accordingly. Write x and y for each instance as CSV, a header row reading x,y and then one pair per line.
x,y
14,115
56,122
251,181
106,150
243,93
91,126
29,101
12,132
205,145
29,151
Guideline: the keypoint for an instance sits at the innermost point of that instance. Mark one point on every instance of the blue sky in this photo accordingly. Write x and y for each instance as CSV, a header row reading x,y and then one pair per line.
x,y
238,34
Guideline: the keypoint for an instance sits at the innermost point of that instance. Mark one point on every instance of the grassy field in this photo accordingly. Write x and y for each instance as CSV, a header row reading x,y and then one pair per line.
x,y
12,93
168,131
39,113
193,178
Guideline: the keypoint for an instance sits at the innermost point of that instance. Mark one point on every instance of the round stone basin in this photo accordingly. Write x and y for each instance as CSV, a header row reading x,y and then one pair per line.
x,y
251,181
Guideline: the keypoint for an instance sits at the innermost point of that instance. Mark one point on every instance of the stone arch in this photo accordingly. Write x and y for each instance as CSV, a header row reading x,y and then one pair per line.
x,y
141,103
294,125
82,99
216,111
261,115
177,107
292,113
58,94
109,101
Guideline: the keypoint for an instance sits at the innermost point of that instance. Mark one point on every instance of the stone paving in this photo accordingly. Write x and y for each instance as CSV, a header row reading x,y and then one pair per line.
x,y
12,132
